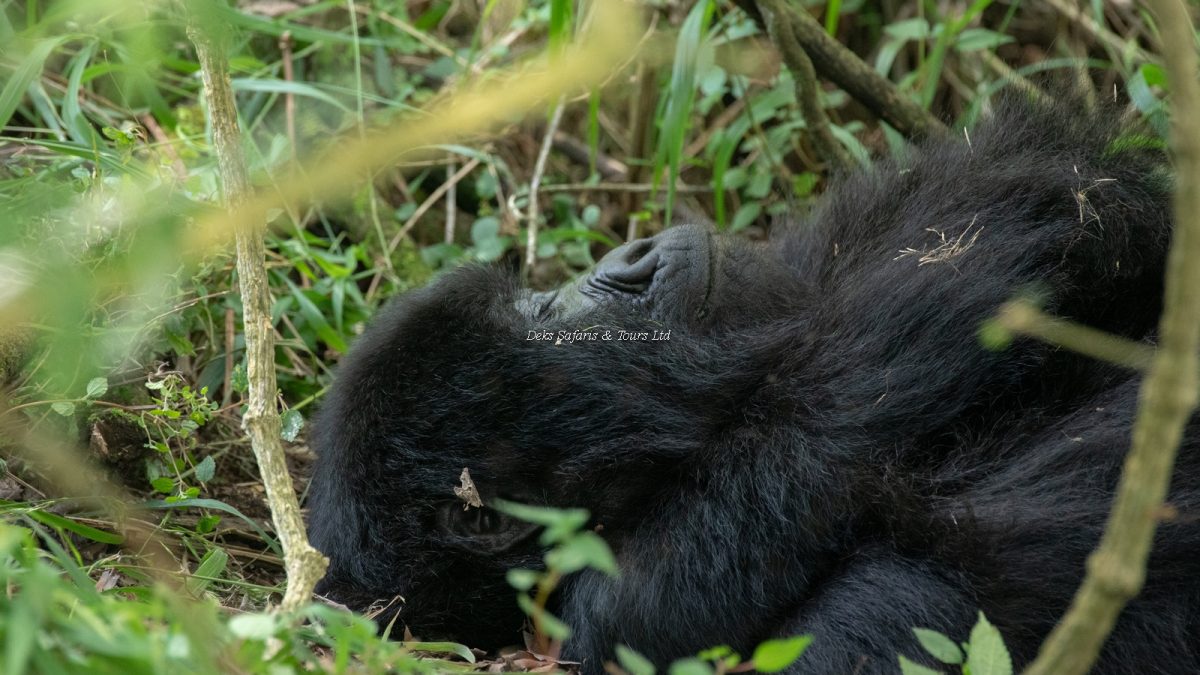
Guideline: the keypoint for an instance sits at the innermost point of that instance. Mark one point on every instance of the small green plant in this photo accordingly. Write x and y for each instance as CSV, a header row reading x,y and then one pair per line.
x,y
171,425
571,549
771,656
983,654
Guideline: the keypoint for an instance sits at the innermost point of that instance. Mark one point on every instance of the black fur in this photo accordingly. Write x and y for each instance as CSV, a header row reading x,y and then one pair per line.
x,y
832,451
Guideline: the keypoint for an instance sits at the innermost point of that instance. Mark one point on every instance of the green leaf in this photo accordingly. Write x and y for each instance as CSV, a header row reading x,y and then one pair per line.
x,y
26,72
559,523
64,408
986,653
285,87
210,567
909,668
550,624
205,469
86,531
254,626
292,422
585,549
939,646
219,506
316,319
97,387
163,484
975,39
690,667
206,524
774,656
522,579
441,648
633,662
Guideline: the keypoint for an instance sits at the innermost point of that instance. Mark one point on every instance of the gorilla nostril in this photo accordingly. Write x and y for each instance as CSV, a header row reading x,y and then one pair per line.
x,y
627,269
638,250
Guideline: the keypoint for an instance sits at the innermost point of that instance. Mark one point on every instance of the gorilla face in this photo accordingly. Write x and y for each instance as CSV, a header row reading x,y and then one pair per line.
x,y
667,278
804,436
477,372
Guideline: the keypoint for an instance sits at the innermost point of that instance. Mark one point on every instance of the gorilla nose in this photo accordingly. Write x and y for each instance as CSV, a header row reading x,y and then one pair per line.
x,y
629,268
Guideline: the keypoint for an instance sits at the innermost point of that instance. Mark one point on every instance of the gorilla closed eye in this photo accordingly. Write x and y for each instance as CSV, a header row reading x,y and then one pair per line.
x,y
482,527
893,473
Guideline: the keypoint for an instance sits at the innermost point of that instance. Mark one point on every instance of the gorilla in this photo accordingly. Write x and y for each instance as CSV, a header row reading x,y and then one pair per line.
x,y
803,435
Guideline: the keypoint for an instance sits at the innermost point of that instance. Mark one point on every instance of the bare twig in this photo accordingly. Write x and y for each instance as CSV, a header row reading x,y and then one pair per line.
x,y
1023,318
305,565
289,100
429,202
1116,571
538,169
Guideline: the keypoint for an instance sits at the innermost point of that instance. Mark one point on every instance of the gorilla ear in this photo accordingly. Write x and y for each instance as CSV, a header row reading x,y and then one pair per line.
x,y
482,528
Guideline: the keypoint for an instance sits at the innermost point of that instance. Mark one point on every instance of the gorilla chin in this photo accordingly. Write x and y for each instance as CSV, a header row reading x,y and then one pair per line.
x,y
821,446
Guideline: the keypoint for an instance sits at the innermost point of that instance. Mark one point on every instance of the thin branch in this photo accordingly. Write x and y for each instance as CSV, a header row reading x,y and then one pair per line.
x,y
305,565
1025,319
534,183
1116,571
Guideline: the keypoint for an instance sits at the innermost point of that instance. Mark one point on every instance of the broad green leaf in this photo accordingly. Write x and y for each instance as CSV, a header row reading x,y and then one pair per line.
x,y
690,667
292,422
774,656
939,646
205,469
585,549
522,579
86,531
26,72
986,653
633,662
97,387
210,567
441,648
909,668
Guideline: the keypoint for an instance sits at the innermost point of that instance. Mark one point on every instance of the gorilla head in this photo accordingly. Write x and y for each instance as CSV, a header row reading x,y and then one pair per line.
x,y
804,435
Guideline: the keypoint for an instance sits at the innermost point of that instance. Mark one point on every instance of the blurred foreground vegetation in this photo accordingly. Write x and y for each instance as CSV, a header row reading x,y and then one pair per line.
x,y
121,342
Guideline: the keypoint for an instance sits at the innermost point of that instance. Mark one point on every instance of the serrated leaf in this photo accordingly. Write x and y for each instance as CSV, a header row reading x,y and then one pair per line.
x,y
292,421
939,646
64,408
773,656
986,653
163,484
205,469
909,668
97,387
633,662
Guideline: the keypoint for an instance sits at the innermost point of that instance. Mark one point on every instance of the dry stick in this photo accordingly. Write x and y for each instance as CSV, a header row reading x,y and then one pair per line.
x,y
1117,569
808,90
843,68
289,99
451,202
428,204
538,169
304,564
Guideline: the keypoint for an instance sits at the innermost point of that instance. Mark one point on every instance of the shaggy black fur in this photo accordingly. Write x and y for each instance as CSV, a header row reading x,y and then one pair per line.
x,y
830,451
